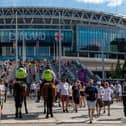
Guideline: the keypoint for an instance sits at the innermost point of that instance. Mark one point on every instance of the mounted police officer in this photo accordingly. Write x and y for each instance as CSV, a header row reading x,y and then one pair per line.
x,y
48,75
124,97
20,89
48,89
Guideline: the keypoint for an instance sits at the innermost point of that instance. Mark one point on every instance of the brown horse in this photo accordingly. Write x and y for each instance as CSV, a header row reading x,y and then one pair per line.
x,y
20,93
48,92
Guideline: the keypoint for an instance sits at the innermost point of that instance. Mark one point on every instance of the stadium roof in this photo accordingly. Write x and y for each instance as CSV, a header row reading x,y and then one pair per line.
x,y
50,15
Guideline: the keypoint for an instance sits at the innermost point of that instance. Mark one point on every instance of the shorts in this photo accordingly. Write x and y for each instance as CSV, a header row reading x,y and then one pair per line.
x,y
64,98
91,104
107,103
81,93
76,100
99,103
70,98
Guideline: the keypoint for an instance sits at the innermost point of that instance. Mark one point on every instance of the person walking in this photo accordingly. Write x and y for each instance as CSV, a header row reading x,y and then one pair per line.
x,y
64,92
2,96
124,97
82,94
101,93
76,94
107,98
91,93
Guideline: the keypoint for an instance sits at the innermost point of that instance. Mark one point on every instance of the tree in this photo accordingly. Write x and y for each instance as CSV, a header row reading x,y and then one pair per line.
x,y
112,71
124,69
118,71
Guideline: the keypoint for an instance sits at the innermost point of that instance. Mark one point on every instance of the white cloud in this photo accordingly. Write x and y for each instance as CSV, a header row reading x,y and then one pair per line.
x,y
114,3
91,1
109,3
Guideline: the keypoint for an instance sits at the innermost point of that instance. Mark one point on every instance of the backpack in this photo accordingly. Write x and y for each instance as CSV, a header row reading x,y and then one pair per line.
x,y
47,75
21,73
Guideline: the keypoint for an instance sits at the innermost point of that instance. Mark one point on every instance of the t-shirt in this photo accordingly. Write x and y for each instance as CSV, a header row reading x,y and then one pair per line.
x,y
91,92
57,88
64,87
76,91
101,92
108,94
33,86
70,90
2,89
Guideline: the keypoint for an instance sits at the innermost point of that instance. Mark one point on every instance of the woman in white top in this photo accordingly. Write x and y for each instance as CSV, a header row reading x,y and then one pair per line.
x,y
2,95
64,92
58,93
107,97
99,103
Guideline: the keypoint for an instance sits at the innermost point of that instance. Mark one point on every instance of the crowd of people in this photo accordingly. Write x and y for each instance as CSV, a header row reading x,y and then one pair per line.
x,y
95,95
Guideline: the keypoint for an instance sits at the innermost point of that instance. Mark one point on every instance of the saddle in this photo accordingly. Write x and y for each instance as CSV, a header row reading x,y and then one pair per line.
x,y
20,88
45,90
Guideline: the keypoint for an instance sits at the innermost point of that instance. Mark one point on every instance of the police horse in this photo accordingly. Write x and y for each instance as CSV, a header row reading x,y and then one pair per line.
x,y
48,92
20,93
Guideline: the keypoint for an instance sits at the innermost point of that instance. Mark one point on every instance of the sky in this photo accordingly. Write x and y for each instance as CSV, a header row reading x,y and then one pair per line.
x,y
109,6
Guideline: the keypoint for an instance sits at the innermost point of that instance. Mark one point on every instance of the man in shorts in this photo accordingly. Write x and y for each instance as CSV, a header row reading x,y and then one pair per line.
x,y
91,93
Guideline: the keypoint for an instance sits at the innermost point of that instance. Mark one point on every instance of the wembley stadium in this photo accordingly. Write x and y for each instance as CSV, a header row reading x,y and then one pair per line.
x,y
91,36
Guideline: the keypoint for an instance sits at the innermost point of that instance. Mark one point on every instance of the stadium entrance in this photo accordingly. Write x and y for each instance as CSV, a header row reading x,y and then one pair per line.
x,y
39,44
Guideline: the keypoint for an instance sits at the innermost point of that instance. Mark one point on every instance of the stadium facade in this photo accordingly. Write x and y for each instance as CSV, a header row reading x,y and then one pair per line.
x,y
84,33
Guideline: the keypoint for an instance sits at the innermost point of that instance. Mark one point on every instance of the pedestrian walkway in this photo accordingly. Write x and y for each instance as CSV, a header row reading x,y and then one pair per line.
x,y
36,114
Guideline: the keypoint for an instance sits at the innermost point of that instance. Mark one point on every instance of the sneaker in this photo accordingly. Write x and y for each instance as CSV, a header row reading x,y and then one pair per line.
x,y
90,122
52,115
47,117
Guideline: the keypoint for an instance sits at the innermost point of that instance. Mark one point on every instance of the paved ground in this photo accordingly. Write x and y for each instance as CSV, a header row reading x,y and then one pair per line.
x,y
75,124
37,117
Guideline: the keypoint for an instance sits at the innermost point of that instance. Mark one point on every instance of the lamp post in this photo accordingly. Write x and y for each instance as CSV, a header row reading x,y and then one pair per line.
x,y
16,42
58,38
24,50
103,62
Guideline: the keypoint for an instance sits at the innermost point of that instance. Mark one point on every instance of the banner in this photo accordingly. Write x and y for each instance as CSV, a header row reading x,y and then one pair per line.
x,y
82,75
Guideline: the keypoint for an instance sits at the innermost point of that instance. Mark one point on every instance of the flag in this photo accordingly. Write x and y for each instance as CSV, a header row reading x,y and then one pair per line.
x,y
82,75
58,36
37,44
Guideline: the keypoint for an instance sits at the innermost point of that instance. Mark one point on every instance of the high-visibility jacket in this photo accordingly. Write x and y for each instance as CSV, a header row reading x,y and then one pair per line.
x,y
47,75
21,73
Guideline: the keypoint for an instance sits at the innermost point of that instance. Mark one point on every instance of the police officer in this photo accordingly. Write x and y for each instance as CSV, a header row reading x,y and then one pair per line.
x,y
124,97
20,90
48,78
48,75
